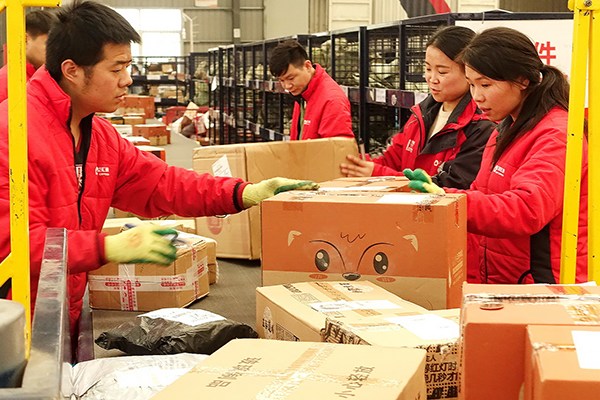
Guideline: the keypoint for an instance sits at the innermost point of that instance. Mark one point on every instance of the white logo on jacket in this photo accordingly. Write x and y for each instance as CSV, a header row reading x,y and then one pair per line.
x,y
102,171
307,122
410,145
499,170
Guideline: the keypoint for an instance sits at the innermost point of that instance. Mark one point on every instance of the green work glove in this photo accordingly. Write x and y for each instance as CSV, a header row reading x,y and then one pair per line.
x,y
254,193
421,181
141,244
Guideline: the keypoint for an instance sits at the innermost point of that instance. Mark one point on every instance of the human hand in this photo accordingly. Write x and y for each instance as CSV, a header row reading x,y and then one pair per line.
x,y
421,181
254,193
357,167
141,244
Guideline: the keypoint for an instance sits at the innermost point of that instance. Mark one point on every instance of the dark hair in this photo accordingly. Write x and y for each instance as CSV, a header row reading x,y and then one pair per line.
x,y
83,28
39,22
451,40
504,54
284,54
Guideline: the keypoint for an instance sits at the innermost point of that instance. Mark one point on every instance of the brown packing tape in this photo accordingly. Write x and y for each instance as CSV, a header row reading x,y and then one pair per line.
x,y
545,346
583,308
304,368
335,295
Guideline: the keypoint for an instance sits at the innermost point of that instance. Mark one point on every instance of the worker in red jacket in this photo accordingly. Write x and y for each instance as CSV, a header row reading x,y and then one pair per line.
x,y
321,109
516,202
79,165
446,133
37,26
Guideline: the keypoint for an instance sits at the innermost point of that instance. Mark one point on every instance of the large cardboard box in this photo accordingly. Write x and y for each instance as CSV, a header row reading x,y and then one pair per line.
x,y
140,104
272,369
494,319
299,311
239,234
411,244
562,362
147,287
112,226
367,184
437,332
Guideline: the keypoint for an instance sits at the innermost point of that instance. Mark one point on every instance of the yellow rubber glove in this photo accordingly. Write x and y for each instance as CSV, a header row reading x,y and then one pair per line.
x,y
141,244
254,193
421,181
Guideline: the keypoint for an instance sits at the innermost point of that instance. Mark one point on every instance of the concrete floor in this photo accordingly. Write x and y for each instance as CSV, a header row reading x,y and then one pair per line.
x,y
233,296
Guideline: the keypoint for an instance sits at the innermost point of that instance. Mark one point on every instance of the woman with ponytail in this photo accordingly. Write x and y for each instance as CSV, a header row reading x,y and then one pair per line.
x,y
515,204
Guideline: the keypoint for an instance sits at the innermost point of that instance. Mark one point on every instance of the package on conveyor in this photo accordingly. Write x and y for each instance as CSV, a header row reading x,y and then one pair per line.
x,y
317,160
411,244
147,287
494,320
437,332
561,362
273,369
299,311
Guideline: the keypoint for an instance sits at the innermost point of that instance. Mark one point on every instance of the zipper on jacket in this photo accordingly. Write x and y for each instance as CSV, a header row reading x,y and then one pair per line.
x,y
80,157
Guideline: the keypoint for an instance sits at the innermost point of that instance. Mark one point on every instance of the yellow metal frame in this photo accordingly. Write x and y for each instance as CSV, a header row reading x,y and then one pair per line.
x,y
586,37
16,265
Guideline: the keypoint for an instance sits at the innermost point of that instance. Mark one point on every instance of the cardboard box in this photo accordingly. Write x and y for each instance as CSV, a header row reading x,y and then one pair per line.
x,y
143,104
149,130
157,151
561,362
494,319
436,332
370,184
138,140
239,234
411,244
189,226
147,287
272,369
112,226
299,311
133,119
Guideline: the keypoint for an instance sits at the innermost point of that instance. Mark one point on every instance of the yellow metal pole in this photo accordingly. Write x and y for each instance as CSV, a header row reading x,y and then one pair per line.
x,y
16,264
594,149
581,28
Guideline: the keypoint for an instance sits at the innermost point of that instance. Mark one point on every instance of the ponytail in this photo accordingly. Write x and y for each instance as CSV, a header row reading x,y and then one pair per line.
x,y
551,91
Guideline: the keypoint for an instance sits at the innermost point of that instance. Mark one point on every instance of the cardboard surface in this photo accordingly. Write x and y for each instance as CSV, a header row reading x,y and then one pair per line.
x,y
370,184
299,311
271,369
553,370
141,104
147,287
494,319
317,160
413,245
437,332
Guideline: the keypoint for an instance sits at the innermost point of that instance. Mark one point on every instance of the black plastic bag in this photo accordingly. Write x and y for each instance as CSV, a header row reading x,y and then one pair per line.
x,y
173,331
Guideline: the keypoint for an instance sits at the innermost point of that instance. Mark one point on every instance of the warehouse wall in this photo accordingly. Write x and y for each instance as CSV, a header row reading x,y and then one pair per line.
x,y
285,17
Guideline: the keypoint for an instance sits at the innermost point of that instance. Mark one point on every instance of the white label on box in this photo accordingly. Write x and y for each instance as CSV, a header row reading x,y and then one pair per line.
x,y
405,198
221,167
344,305
185,316
351,287
380,95
587,346
428,326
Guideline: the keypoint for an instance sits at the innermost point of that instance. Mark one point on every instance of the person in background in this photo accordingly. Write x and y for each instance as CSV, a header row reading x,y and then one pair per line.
x,y
515,203
446,133
321,109
79,166
37,26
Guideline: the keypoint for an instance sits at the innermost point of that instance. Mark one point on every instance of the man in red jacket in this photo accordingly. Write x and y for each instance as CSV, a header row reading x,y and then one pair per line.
x,y
79,166
322,109
37,26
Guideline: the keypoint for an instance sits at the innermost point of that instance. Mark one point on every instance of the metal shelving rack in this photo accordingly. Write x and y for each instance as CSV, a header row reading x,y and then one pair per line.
x,y
156,71
199,82
215,95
